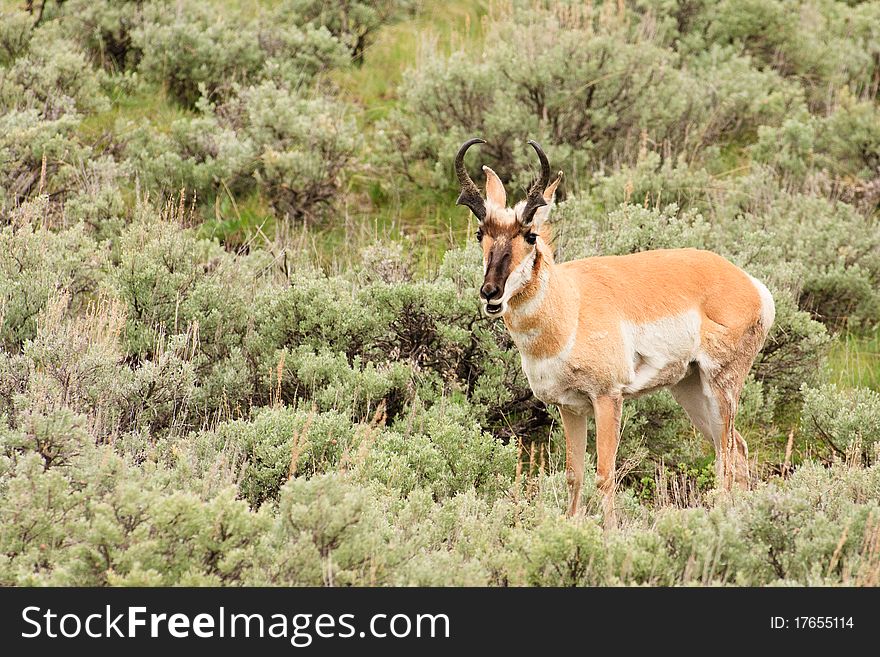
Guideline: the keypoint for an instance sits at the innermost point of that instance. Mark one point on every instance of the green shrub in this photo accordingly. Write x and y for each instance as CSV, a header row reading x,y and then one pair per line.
x,y
58,437
162,393
53,77
353,23
838,154
459,541
849,141
793,353
200,50
331,531
825,45
34,544
561,553
97,198
355,389
105,28
75,359
293,149
570,79
172,282
303,146
27,141
196,156
841,420
259,450
652,182
313,310
800,534
629,229
16,32
789,148
446,452
36,263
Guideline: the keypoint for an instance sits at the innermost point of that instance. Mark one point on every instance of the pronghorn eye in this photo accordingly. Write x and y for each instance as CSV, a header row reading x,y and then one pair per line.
x,y
531,238
479,236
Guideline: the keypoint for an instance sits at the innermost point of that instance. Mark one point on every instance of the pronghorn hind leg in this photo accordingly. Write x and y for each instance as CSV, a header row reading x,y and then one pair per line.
x,y
725,465
727,383
741,475
607,410
575,450
698,401
710,400
731,452
710,395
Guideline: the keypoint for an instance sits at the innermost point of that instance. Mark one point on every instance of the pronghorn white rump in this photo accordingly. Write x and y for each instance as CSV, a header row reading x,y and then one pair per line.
x,y
596,331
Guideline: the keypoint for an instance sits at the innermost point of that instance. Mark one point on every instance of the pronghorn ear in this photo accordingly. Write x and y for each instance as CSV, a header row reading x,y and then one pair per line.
x,y
495,188
543,213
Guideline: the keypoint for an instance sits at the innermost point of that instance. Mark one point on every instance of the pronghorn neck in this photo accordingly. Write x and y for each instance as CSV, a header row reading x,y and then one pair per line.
x,y
538,319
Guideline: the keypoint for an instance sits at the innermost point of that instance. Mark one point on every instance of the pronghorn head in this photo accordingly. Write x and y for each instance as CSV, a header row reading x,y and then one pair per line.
x,y
510,237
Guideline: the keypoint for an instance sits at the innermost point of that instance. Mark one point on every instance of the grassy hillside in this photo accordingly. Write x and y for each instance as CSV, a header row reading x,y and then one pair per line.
x,y
240,340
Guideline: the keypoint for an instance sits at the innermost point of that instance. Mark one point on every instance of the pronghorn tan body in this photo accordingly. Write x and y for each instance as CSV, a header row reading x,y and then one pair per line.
x,y
596,331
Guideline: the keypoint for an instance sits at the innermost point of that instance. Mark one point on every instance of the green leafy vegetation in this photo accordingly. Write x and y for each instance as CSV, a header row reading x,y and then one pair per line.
x,y
240,341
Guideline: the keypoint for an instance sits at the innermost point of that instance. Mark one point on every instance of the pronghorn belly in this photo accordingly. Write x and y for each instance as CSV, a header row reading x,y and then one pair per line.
x,y
650,379
660,353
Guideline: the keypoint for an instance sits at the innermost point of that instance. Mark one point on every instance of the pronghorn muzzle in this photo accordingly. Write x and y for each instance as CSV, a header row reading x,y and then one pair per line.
x,y
497,272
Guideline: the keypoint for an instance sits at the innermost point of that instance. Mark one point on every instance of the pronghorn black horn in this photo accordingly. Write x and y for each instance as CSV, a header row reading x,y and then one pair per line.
x,y
535,198
470,194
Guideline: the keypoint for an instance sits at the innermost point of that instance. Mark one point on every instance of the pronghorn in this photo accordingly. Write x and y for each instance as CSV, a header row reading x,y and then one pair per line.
x,y
596,331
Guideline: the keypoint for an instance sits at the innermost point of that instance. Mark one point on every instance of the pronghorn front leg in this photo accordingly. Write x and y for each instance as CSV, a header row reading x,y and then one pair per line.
x,y
575,449
607,411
